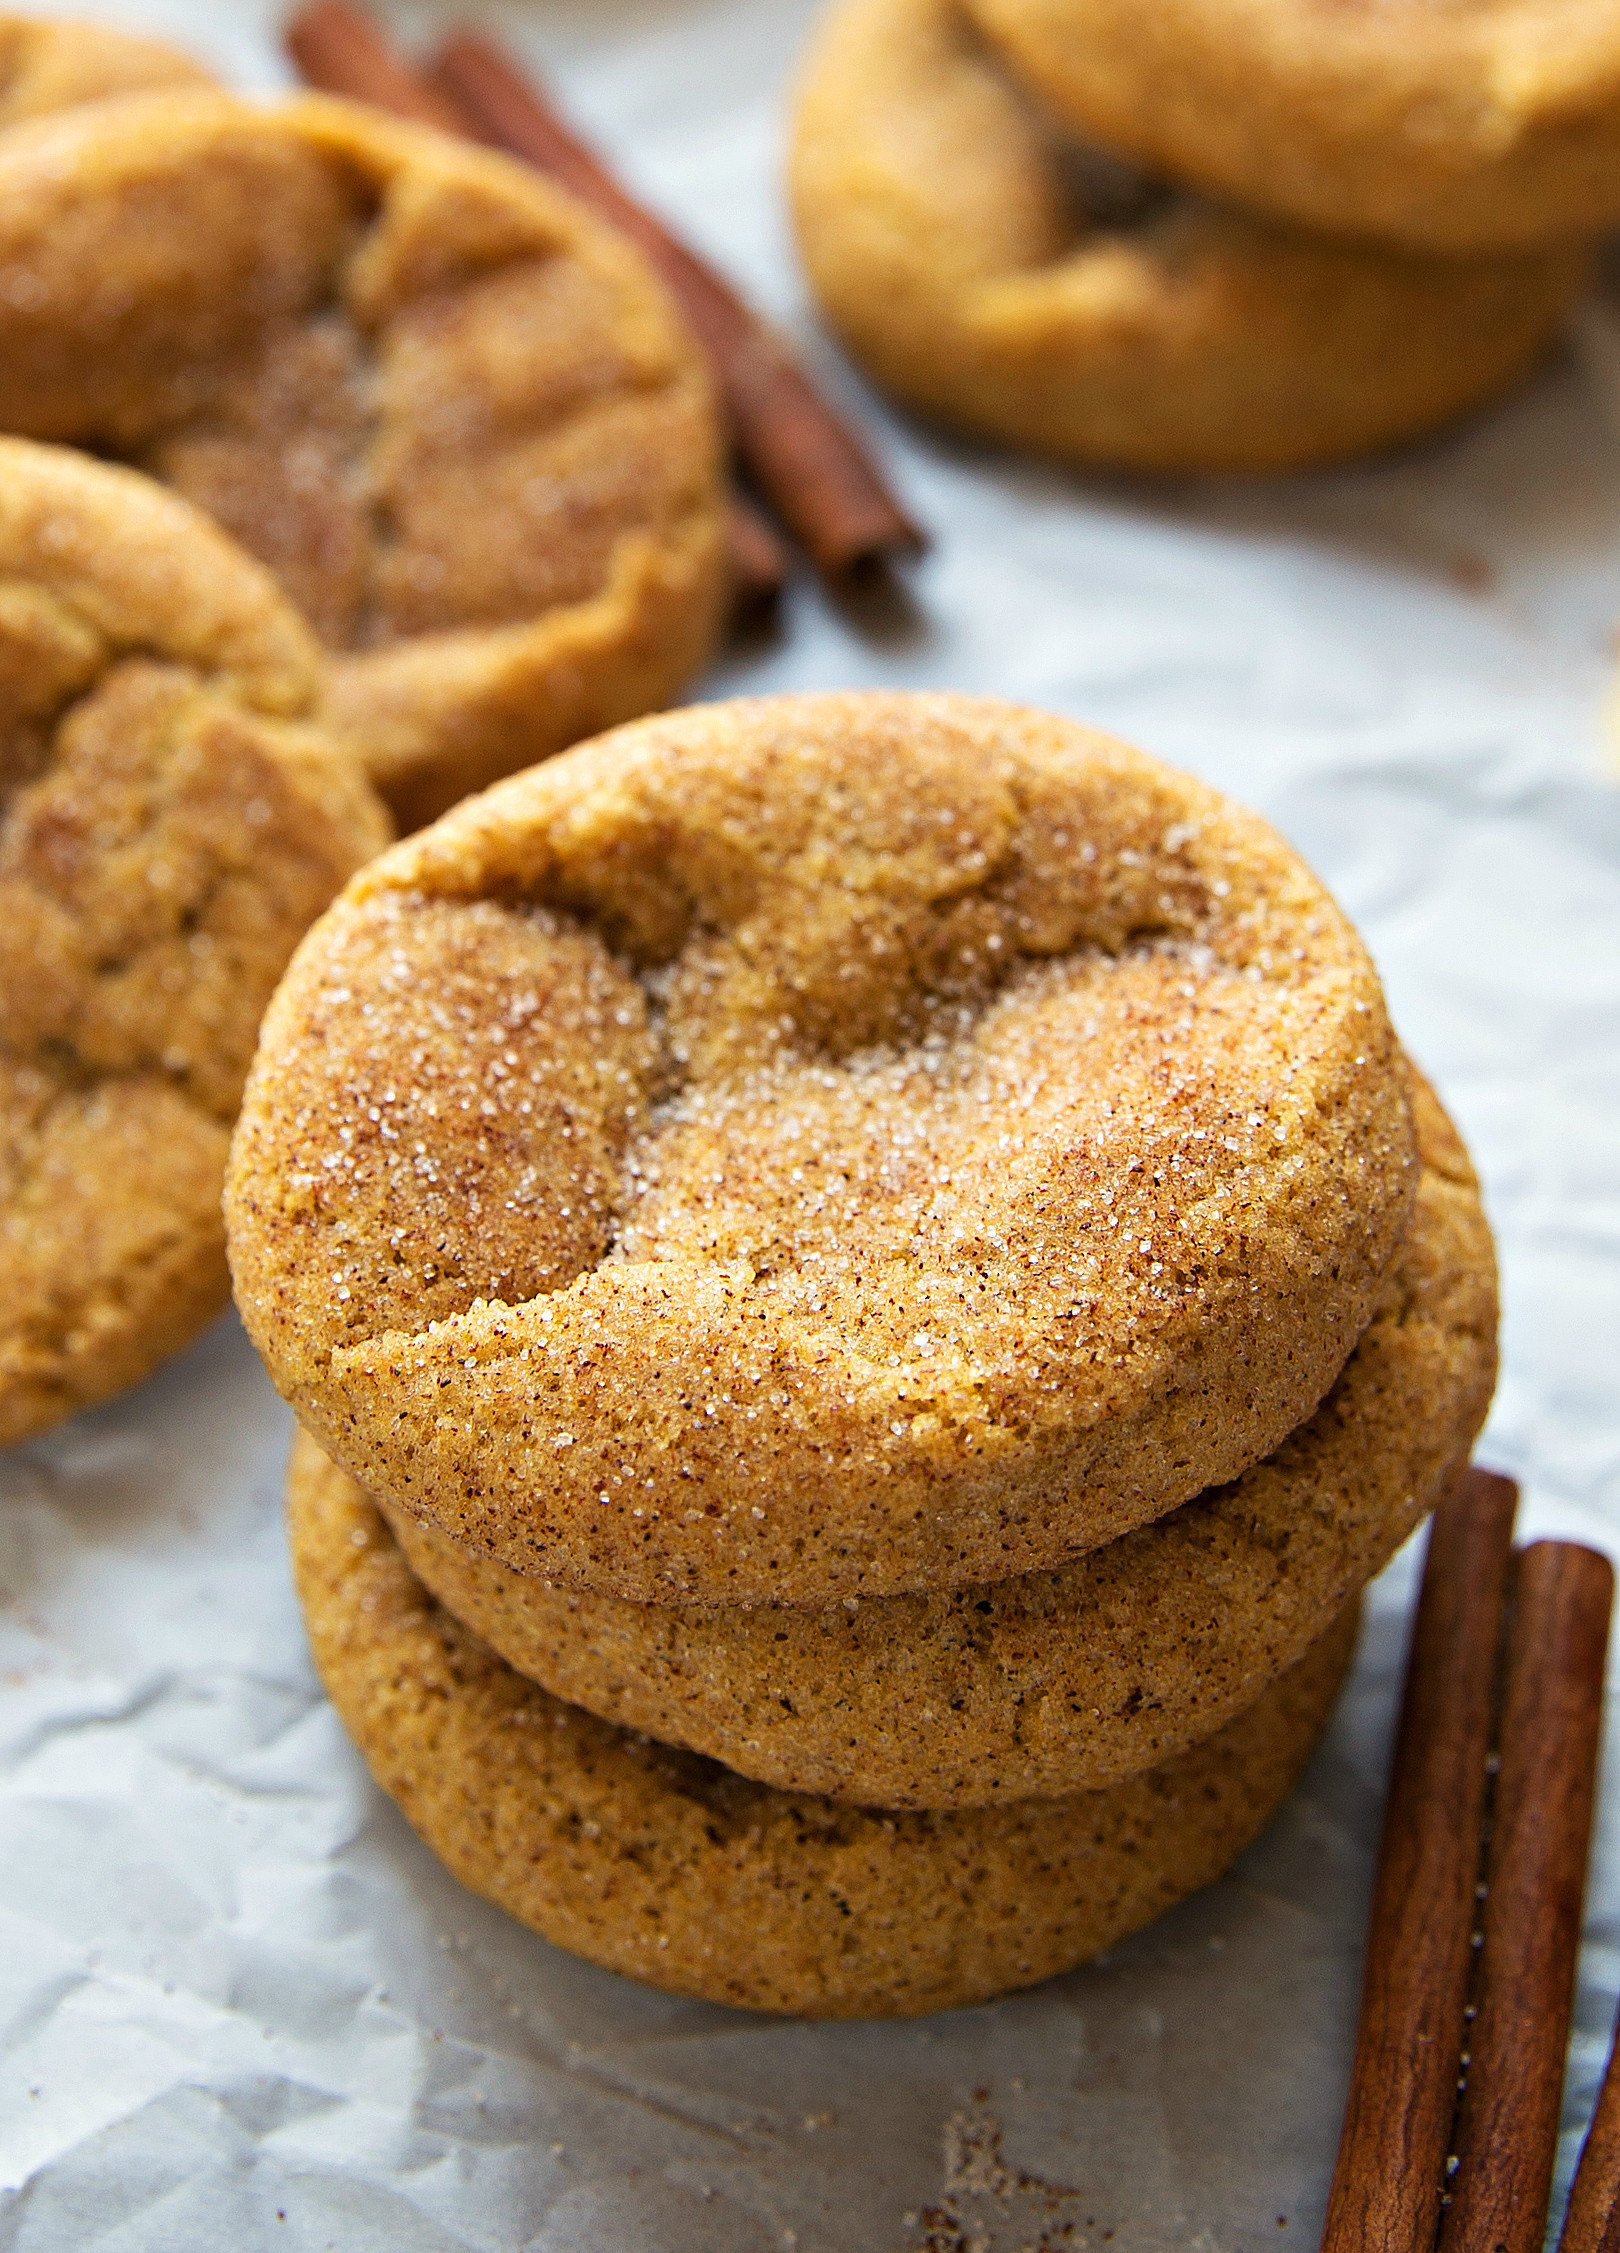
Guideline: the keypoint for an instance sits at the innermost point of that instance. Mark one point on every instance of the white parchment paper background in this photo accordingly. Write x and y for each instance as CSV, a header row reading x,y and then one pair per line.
x,y
241,2007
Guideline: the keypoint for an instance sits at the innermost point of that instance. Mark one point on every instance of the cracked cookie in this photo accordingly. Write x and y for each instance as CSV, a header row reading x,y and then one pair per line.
x,y
52,66
169,826
453,413
995,276
665,1866
819,1146
1448,125
1057,1682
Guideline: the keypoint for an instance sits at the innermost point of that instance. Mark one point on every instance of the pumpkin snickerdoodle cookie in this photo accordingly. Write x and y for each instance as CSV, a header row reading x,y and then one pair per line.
x,y
1453,125
1057,1682
993,275
48,66
664,1865
820,1146
449,408
169,825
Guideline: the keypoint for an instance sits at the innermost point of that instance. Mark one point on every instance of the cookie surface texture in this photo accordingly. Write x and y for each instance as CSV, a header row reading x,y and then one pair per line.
x,y
818,1146
665,1866
996,278
452,411
1451,125
1056,1682
52,66
169,825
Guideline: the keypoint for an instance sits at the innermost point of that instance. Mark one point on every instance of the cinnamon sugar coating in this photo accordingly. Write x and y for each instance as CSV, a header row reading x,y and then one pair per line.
x,y
170,823
47,66
663,1865
996,274
453,412
819,1146
1056,1682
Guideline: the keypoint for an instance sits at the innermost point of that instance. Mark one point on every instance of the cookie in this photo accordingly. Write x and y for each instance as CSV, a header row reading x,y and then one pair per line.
x,y
1058,1682
820,1146
52,66
169,825
451,410
1001,280
664,1865
1471,125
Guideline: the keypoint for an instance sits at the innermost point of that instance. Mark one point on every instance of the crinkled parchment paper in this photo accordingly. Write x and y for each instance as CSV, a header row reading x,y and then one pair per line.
x,y
242,2008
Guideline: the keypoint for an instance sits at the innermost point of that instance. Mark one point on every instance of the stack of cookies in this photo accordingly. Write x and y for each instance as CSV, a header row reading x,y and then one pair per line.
x,y
1202,237
866,1283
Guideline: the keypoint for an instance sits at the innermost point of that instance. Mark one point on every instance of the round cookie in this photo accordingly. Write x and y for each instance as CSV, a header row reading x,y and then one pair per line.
x,y
1449,125
819,1146
52,66
1058,1682
169,825
992,277
663,1865
448,407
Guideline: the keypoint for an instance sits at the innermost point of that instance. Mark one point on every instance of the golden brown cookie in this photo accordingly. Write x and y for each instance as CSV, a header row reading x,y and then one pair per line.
x,y
664,1865
169,825
820,1146
52,66
1450,125
1058,1682
449,408
997,278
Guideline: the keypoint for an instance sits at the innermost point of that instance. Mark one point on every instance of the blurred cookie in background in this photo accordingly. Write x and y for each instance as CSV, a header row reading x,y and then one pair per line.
x,y
45,66
453,412
1000,277
1484,125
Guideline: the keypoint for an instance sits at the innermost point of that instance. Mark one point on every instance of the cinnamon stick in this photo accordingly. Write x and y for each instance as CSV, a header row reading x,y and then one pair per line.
x,y
1387,2181
759,564
811,469
1552,1712
338,49
1592,2224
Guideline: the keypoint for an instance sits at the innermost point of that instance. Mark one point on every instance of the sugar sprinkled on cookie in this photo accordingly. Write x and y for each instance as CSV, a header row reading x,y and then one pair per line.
x,y
1059,1681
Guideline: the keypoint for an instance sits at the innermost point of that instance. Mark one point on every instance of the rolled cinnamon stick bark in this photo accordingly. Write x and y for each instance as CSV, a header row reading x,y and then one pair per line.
x,y
759,564
1541,1826
1387,2184
339,50
1592,2224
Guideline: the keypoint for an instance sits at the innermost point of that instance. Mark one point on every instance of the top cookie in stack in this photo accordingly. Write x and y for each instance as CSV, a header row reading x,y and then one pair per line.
x,y
1091,230
791,1210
